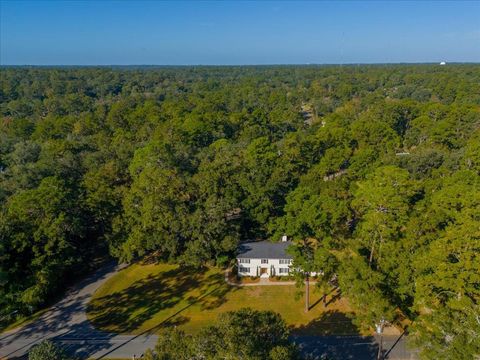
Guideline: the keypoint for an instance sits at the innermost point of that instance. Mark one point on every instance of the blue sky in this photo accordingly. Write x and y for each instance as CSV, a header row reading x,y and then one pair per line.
x,y
268,32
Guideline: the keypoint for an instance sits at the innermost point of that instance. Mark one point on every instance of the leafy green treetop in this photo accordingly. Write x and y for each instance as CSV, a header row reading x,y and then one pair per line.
x,y
46,350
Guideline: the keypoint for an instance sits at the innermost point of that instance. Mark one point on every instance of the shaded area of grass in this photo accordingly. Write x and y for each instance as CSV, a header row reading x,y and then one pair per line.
x,y
142,297
147,298
330,322
21,321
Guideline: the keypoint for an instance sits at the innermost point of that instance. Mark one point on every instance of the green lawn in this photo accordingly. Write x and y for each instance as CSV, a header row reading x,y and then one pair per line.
x,y
148,297
22,321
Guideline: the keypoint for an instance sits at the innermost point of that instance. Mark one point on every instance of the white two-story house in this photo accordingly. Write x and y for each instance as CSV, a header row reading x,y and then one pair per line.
x,y
264,258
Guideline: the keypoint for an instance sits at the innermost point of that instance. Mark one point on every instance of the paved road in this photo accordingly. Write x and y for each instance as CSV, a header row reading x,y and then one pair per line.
x,y
355,347
66,323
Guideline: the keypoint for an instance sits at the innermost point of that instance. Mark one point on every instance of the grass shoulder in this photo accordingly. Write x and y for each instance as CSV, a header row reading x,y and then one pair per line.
x,y
22,321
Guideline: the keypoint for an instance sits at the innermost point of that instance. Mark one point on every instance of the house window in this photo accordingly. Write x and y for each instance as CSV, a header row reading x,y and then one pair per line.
x,y
285,261
244,269
244,261
283,270
264,261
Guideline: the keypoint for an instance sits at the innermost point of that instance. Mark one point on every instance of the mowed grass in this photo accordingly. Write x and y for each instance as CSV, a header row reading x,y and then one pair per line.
x,y
22,321
147,298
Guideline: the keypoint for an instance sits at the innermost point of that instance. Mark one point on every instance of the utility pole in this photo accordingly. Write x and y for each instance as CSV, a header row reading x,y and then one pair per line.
x,y
307,292
380,327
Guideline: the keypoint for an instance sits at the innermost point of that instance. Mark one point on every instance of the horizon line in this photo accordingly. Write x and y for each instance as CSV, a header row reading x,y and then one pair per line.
x,y
238,65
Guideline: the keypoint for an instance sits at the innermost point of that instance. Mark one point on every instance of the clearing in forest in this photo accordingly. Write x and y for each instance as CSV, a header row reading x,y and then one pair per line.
x,y
147,298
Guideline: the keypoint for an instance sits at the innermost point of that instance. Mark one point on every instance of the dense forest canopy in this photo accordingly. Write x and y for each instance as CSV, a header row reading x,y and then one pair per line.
x,y
186,162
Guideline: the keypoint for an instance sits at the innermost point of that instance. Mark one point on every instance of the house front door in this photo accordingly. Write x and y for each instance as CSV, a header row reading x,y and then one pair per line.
x,y
263,272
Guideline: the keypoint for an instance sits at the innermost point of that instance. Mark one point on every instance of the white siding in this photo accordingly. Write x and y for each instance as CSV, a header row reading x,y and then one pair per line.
x,y
272,267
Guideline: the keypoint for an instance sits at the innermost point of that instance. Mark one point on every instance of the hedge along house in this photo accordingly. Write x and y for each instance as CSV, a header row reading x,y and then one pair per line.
x,y
264,258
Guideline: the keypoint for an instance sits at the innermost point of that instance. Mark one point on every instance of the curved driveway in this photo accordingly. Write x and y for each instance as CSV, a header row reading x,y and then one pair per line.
x,y
66,323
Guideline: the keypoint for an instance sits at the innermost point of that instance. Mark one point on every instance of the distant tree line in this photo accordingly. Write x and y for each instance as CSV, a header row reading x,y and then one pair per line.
x,y
183,163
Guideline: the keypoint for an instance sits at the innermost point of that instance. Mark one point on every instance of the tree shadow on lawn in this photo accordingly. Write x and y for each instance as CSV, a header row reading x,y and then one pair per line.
x,y
337,294
126,310
331,322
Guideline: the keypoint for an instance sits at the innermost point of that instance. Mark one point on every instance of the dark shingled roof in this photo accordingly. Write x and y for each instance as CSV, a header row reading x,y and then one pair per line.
x,y
264,250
